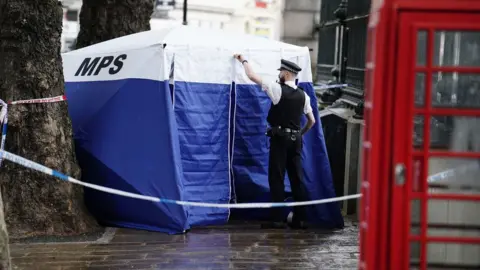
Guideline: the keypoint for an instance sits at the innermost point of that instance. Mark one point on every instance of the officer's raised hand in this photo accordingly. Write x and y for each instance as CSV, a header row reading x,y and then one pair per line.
x,y
248,70
239,57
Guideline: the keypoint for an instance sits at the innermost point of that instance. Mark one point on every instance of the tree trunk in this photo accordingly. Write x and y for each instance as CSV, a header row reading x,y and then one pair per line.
x,y
31,67
102,20
4,249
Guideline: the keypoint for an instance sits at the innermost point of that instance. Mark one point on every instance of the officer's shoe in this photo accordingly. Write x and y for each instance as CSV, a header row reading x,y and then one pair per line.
x,y
274,225
297,225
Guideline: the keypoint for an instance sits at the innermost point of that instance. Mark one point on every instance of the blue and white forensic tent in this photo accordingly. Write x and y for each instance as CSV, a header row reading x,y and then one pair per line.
x,y
171,114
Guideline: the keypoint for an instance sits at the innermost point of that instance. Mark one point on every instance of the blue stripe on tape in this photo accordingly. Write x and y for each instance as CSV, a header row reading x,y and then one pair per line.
x,y
4,121
169,201
4,137
59,175
35,166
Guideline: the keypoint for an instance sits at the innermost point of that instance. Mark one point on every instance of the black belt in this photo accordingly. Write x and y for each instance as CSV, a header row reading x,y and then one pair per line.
x,y
287,130
282,131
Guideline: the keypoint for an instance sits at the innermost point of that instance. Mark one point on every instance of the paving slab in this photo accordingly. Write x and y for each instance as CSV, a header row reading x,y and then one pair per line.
x,y
234,246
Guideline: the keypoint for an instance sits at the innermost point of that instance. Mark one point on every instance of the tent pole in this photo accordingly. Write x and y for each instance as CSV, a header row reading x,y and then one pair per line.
x,y
185,12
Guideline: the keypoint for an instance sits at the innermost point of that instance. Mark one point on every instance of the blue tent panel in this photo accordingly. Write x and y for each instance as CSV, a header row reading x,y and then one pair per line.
x,y
317,173
125,138
250,153
202,113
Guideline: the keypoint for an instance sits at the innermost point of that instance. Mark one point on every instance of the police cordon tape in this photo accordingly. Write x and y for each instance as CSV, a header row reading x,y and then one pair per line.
x,y
4,123
4,110
39,100
38,167
63,97
452,172
4,113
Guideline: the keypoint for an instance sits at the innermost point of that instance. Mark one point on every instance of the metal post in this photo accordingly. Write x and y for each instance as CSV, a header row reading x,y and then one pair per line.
x,y
343,70
341,14
339,74
353,150
185,8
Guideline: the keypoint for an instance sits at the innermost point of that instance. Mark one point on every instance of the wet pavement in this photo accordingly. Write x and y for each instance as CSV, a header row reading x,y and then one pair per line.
x,y
235,246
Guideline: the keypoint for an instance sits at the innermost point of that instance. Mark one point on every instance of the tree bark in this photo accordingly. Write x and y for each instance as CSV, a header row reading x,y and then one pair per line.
x,y
4,249
102,20
31,67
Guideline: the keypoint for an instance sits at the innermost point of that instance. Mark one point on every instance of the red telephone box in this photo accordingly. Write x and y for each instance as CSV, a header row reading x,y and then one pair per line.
x,y
421,149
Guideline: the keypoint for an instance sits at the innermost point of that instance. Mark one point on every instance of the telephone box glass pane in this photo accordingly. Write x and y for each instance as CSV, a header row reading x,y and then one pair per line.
x,y
421,48
456,90
454,176
453,256
419,89
415,217
418,127
455,133
457,48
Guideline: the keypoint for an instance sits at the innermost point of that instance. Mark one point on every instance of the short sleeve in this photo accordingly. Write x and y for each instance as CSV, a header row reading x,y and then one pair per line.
x,y
307,107
273,90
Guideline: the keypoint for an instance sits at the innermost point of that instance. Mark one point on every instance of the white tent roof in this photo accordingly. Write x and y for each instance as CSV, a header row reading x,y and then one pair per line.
x,y
196,50
181,36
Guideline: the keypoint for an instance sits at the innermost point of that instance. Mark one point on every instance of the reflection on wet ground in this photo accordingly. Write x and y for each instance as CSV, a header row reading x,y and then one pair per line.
x,y
235,246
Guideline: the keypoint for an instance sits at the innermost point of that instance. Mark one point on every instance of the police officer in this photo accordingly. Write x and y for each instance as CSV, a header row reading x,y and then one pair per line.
x,y
289,104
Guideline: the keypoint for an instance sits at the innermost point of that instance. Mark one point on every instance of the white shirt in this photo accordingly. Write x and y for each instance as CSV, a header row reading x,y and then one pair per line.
x,y
274,92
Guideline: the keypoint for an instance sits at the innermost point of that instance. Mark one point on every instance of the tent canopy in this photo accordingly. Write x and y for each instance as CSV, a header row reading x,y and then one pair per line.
x,y
170,113
188,36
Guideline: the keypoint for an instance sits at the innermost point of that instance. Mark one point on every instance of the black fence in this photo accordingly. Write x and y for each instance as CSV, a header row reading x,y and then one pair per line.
x,y
331,41
334,46
449,89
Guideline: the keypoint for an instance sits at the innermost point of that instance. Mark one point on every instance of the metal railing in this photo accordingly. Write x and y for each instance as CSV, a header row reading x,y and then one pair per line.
x,y
342,41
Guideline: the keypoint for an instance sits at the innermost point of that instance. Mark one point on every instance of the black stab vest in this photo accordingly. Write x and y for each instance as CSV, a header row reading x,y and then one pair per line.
x,y
289,110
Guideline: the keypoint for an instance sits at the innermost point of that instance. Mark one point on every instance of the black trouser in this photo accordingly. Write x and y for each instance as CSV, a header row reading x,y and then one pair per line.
x,y
285,153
